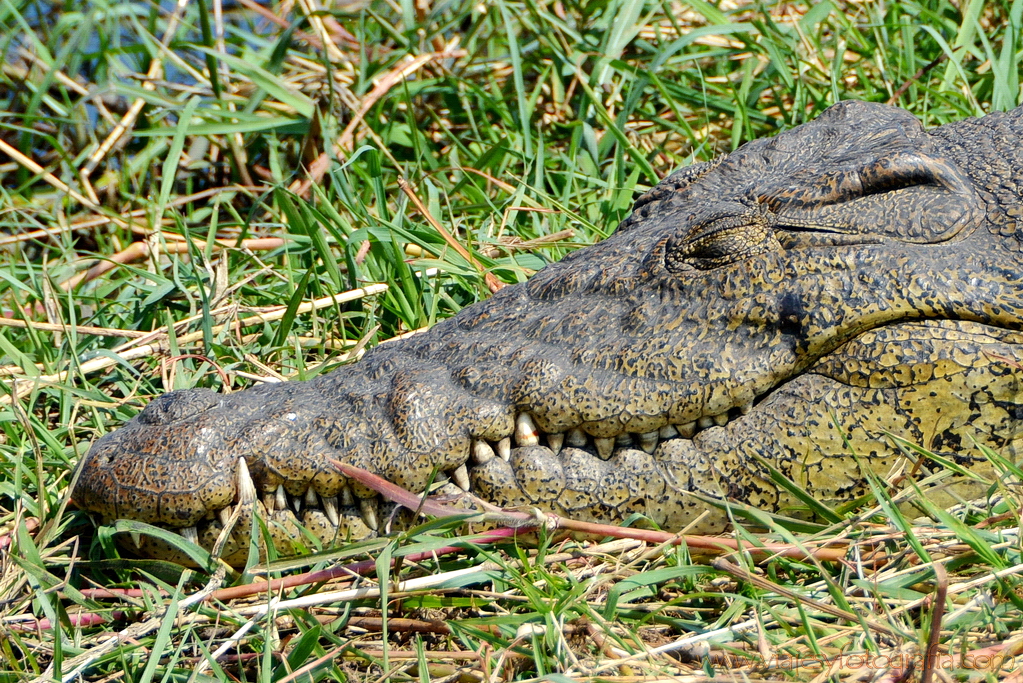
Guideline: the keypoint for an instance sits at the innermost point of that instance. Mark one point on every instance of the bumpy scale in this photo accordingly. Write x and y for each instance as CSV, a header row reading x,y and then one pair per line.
x,y
854,277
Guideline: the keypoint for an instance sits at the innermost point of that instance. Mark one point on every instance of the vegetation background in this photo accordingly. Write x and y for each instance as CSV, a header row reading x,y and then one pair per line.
x,y
185,190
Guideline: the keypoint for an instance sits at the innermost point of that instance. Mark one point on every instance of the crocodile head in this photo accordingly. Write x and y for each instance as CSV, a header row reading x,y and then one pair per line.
x,y
856,268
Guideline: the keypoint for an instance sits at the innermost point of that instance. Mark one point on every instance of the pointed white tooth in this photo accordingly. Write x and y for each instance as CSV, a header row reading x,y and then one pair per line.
x,y
525,430
667,432
688,430
721,420
555,442
136,538
270,503
246,488
648,441
624,440
482,452
224,515
605,447
330,509
577,438
745,408
282,498
296,504
461,477
368,508
705,421
190,534
311,499
504,448
347,499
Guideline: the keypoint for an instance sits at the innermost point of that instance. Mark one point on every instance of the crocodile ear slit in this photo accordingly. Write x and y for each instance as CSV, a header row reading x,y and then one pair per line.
x,y
908,169
907,195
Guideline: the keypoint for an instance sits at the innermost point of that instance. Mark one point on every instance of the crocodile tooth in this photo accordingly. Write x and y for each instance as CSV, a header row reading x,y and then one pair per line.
x,y
441,477
311,499
745,408
347,498
577,438
721,420
330,509
190,534
461,477
482,452
246,487
648,441
136,538
555,442
296,504
624,440
504,448
605,447
705,421
224,515
525,431
688,430
270,502
282,498
667,432
368,508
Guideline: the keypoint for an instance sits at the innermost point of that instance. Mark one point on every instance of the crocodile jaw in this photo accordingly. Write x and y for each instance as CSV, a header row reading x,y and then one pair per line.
x,y
730,280
916,378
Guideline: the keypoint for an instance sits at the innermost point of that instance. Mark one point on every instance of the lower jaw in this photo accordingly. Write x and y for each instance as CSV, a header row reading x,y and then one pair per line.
x,y
297,525
290,534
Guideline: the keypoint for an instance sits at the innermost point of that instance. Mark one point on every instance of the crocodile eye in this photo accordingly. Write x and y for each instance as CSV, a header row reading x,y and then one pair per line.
x,y
719,242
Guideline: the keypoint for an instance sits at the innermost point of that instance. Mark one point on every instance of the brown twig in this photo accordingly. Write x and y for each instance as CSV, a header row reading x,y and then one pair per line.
x,y
57,182
313,16
493,284
986,657
158,345
349,570
916,77
80,329
937,612
345,142
431,654
721,564
137,251
301,672
507,187
103,219
80,620
196,356
270,16
6,535
398,624
522,521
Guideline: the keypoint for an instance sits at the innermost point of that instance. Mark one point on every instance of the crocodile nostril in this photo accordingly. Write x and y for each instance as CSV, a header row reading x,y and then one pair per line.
x,y
178,405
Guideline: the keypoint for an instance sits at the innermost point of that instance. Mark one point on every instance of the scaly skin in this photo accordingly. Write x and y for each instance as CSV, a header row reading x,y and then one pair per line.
x,y
856,268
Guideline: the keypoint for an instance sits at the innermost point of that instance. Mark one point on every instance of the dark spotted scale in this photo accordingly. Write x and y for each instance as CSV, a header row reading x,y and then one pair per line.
x,y
798,299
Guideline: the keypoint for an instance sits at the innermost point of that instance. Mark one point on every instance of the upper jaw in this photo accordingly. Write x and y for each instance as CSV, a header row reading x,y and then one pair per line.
x,y
347,515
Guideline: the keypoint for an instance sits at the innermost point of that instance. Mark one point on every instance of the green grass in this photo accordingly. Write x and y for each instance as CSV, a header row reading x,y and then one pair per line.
x,y
530,137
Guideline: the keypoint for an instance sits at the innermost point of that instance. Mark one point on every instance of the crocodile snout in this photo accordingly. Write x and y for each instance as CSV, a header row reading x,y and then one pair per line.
x,y
756,317
167,472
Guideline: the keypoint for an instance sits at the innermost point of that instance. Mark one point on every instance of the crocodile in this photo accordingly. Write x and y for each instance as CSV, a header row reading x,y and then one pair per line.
x,y
775,313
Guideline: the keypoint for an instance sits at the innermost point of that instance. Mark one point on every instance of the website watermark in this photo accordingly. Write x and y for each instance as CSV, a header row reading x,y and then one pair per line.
x,y
988,661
